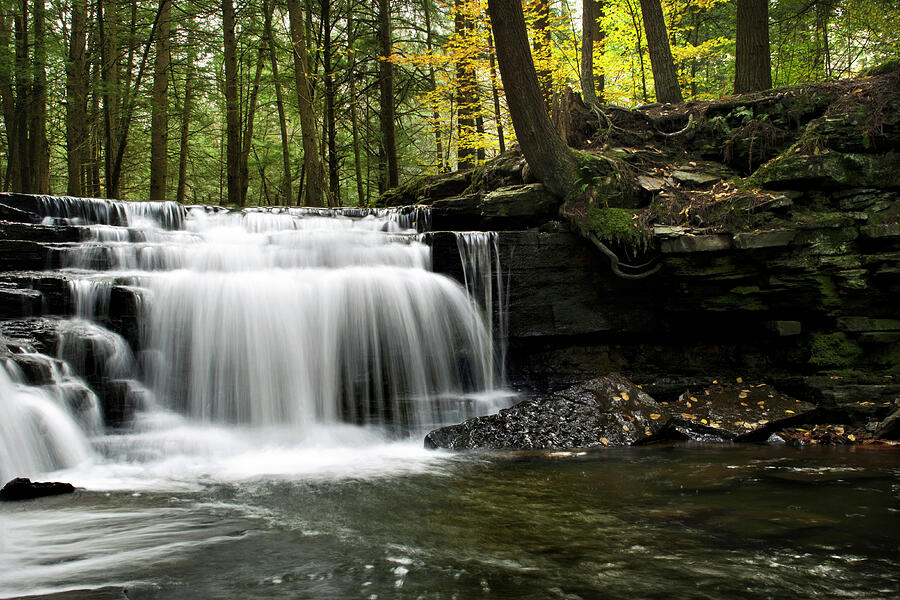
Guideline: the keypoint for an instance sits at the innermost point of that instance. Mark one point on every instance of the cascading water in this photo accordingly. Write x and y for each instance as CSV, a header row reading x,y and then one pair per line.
x,y
291,316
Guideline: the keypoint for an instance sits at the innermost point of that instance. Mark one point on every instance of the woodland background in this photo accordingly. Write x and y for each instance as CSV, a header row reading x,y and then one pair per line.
x,y
329,103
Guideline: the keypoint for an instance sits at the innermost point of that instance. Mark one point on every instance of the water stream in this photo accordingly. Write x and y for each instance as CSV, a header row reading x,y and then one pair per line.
x,y
288,363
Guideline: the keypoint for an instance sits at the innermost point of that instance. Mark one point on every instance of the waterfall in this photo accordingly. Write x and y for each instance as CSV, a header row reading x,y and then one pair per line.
x,y
37,433
287,316
479,253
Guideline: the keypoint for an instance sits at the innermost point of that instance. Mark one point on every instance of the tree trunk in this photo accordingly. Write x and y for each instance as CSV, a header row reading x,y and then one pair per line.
x,y
495,93
187,108
109,48
232,109
334,181
315,186
354,117
247,134
432,86
547,154
159,119
591,39
9,105
386,88
665,78
40,147
752,64
76,101
286,193
466,92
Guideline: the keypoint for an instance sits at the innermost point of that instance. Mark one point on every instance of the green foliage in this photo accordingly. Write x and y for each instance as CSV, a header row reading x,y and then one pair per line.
x,y
833,350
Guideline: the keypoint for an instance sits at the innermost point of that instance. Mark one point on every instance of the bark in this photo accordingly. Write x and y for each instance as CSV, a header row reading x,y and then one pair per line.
x,y
354,117
334,181
37,120
187,109
546,153
110,71
8,104
752,64
591,39
386,88
247,134
435,114
495,93
466,94
315,186
665,78
159,119
77,141
286,193
232,109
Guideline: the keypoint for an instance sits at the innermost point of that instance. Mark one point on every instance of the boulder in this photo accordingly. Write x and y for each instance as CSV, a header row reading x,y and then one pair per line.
x,y
22,488
606,411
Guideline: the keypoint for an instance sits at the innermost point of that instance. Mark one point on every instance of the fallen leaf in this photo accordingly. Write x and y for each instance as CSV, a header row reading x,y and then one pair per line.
x,y
625,396
851,437
689,416
625,427
604,441
704,421
790,412
654,416
740,380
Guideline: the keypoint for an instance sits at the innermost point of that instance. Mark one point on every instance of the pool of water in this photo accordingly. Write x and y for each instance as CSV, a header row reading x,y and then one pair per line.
x,y
369,519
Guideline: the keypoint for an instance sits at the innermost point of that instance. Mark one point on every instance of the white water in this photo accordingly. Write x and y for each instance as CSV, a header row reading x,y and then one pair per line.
x,y
267,337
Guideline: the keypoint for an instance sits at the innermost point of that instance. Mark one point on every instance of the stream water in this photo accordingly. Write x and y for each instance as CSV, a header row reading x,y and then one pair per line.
x,y
288,363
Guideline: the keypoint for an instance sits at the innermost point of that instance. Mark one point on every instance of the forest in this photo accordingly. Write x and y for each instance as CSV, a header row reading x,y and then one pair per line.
x,y
329,103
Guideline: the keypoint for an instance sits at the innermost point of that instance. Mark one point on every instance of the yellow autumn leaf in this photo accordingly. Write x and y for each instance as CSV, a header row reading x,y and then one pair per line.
x,y
740,380
851,437
604,441
748,426
689,416
742,395
693,399
625,396
704,421
654,416
790,412
625,427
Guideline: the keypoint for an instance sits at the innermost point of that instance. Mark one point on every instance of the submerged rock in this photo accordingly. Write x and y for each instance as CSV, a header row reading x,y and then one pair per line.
x,y
606,411
22,488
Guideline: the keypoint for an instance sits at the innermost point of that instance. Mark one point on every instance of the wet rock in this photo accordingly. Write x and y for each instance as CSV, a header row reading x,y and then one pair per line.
x,y
606,411
889,429
23,488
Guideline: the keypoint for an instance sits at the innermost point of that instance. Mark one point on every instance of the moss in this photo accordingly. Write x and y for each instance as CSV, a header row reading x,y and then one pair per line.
x,y
833,350
614,225
888,66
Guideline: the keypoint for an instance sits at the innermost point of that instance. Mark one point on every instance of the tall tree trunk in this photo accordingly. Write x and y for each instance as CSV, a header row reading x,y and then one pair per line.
x,y
354,117
334,181
591,38
187,108
247,135
40,147
386,88
315,186
665,78
752,64
232,109
466,91
76,101
432,86
546,152
159,119
495,92
8,103
286,193
107,19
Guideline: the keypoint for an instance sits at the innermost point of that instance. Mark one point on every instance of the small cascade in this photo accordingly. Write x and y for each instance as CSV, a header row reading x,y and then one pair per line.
x,y
285,316
479,253
37,433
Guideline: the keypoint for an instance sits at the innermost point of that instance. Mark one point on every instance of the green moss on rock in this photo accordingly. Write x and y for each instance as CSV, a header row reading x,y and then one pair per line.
x,y
833,350
614,225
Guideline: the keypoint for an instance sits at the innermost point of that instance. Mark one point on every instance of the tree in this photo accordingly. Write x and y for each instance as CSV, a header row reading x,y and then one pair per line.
x,y
77,141
592,36
316,193
159,120
390,177
752,66
544,150
665,78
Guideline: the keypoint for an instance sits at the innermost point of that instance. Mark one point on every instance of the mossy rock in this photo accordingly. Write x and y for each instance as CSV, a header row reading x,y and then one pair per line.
x,y
833,350
829,169
614,225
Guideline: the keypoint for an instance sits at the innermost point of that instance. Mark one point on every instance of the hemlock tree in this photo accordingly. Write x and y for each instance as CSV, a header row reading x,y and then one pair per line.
x,y
665,78
752,65
545,151
592,35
